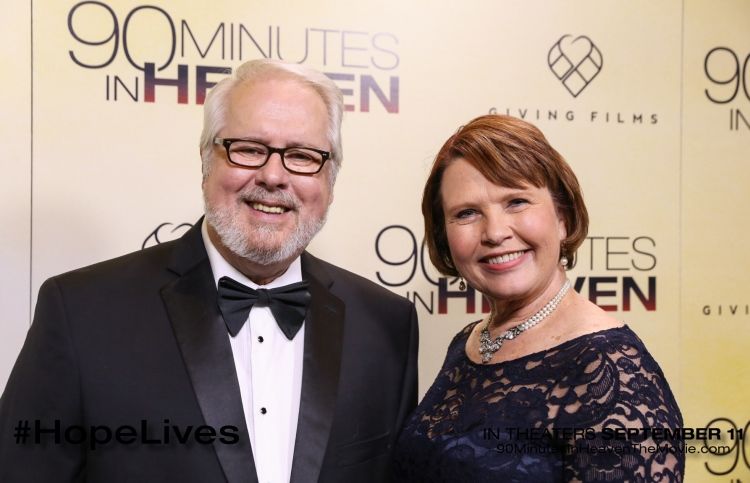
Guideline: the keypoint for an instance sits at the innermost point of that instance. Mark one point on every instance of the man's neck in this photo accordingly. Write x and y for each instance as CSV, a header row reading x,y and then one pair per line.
x,y
259,274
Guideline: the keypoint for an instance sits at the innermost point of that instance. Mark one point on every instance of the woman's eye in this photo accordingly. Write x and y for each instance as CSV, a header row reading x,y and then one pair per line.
x,y
465,214
518,202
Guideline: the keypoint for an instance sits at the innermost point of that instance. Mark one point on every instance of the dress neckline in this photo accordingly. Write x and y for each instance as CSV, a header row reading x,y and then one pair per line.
x,y
470,330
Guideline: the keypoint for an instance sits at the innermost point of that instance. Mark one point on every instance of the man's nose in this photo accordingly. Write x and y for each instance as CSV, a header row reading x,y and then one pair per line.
x,y
273,174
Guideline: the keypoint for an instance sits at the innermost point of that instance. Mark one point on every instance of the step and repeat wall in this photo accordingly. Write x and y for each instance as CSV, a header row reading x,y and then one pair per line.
x,y
648,101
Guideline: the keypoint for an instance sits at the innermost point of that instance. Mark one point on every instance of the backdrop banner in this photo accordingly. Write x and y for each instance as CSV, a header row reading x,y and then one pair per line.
x,y
648,101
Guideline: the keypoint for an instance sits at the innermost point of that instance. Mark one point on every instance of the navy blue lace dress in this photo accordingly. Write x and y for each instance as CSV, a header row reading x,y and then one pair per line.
x,y
557,415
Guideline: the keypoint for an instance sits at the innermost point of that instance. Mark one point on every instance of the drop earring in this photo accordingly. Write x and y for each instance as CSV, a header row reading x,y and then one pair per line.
x,y
462,284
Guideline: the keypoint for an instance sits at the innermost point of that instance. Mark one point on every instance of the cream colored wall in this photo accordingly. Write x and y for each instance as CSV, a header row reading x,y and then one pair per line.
x,y
15,183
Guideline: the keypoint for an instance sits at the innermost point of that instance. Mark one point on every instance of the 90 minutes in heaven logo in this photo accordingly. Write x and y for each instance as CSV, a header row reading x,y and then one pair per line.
x,y
623,280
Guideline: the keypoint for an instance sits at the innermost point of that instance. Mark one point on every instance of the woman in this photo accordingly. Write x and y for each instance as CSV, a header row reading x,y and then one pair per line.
x,y
544,388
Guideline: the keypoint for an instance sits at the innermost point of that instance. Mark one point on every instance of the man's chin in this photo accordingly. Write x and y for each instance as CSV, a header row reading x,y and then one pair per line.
x,y
263,243
262,251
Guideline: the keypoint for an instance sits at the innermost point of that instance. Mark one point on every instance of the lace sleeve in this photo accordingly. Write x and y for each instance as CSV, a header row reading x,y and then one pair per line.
x,y
621,398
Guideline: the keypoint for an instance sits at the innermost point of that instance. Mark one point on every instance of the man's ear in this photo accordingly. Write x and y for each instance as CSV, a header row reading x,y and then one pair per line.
x,y
332,185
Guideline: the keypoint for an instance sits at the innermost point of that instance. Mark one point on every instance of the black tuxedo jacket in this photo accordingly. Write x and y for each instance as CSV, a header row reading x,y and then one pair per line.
x,y
139,342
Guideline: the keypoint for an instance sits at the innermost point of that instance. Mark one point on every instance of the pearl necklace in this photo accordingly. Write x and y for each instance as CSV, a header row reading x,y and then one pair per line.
x,y
488,347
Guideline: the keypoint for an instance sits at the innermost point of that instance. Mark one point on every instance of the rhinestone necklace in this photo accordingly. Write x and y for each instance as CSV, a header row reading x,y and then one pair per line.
x,y
488,347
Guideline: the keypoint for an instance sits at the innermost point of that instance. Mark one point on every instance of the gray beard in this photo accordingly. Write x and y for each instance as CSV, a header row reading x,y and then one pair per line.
x,y
233,235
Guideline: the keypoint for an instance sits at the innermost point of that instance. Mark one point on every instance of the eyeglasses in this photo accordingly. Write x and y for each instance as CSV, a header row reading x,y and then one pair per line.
x,y
253,154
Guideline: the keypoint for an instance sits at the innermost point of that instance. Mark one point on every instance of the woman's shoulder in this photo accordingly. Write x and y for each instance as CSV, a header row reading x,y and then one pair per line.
x,y
456,348
617,346
464,333
615,362
590,330
611,338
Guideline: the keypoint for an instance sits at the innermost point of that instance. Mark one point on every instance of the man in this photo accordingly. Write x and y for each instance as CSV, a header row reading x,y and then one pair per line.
x,y
194,375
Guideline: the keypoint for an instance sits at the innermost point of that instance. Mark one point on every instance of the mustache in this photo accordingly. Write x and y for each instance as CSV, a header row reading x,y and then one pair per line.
x,y
259,194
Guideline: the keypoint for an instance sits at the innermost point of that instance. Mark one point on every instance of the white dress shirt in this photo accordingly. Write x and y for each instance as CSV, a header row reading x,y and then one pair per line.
x,y
269,370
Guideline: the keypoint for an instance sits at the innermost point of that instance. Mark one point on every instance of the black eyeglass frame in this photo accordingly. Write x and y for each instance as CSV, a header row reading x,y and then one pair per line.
x,y
227,142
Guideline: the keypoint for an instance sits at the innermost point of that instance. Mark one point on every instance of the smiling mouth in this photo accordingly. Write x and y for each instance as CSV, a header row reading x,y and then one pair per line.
x,y
276,210
508,257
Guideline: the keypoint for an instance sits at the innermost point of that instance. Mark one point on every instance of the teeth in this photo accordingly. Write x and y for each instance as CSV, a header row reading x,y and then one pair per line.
x,y
268,209
505,258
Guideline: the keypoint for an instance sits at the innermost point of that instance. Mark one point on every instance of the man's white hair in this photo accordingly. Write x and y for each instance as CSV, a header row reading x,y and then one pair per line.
x,y
215,108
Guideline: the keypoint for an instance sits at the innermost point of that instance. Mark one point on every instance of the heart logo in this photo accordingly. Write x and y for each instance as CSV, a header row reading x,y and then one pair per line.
x,y
165,232
575,62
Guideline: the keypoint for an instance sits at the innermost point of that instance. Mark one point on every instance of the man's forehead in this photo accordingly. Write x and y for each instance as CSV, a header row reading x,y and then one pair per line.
x,y
273,93
271,82
277,106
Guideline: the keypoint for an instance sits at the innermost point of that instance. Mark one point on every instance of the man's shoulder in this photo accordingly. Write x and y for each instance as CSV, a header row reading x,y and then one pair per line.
x,y
143,263
152,263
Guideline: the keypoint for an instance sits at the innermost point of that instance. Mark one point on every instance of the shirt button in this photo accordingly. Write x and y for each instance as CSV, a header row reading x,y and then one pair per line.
x,y
263,411
260,339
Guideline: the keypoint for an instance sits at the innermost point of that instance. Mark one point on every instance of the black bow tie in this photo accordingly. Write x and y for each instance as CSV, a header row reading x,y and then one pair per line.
x,y
288,304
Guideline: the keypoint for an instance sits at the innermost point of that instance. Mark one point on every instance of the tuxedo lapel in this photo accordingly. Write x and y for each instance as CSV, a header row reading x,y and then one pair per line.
x,y
324,331
202,337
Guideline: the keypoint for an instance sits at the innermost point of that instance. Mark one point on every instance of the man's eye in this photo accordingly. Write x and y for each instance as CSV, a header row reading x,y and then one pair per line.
x,y
518,202
303,156
250,151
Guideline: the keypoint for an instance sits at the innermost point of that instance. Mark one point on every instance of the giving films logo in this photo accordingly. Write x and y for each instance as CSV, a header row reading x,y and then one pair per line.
x,y
149,54
575,62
